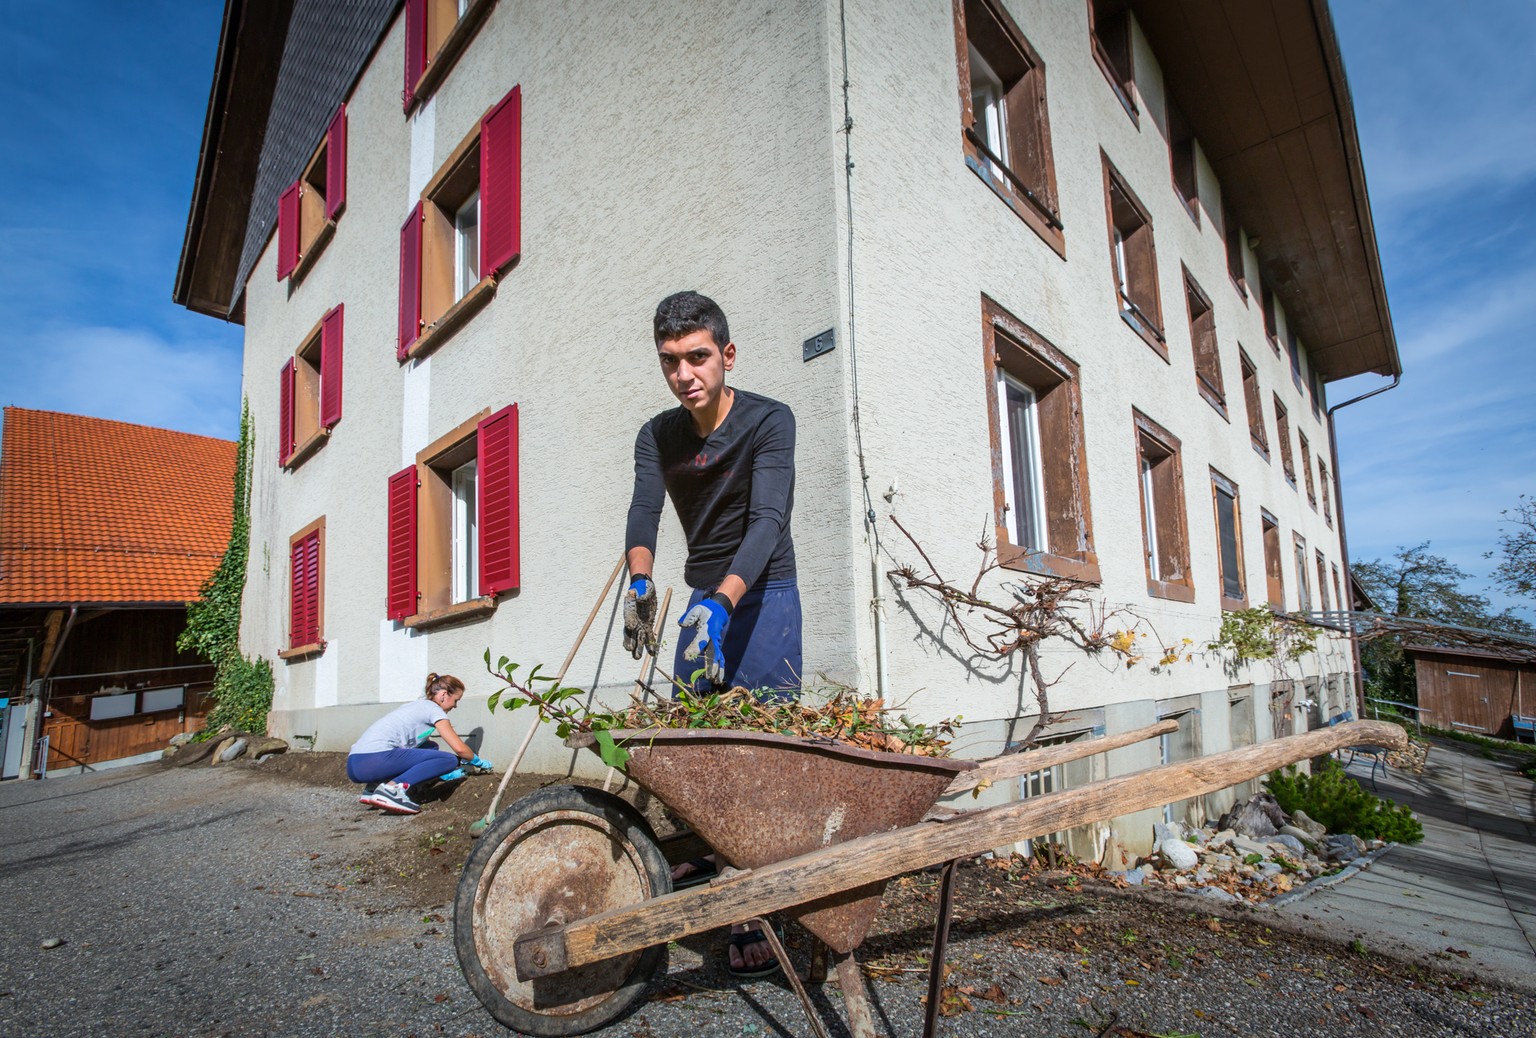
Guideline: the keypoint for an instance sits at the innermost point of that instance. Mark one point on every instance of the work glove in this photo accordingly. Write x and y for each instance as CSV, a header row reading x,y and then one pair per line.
x,y
639,614
482,764
453,776
704,625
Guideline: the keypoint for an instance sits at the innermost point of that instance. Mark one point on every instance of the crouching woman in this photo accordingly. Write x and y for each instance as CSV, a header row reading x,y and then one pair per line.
x,y
389,757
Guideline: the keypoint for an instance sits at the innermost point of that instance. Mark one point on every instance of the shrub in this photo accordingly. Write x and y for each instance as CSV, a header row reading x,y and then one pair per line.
x,y
1331,797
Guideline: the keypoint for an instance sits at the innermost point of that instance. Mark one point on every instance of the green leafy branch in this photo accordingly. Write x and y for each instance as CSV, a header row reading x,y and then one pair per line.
x,y
560,704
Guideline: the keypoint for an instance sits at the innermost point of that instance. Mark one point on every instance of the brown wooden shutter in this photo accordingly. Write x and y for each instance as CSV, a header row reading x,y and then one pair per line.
x,y
501,163
336,164
415,49
402,544
410,284
288,231
330,366
285,413
496,488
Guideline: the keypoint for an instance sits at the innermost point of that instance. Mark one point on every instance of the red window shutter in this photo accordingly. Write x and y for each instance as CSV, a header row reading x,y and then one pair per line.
x,y
410,283
415,49
336,164
402,544
288,231
330,367
304,591
497,505
501,183
285,413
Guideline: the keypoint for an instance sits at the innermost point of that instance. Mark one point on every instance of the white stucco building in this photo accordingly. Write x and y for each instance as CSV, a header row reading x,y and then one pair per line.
x,y
1085,269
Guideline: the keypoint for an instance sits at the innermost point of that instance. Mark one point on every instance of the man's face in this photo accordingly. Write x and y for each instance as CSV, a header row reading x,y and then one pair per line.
x,y
695,368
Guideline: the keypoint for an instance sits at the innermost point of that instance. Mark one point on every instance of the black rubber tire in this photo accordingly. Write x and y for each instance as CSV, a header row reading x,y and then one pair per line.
x,y
578,848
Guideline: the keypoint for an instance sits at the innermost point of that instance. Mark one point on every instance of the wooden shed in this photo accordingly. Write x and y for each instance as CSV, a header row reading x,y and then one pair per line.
x,y
1474,690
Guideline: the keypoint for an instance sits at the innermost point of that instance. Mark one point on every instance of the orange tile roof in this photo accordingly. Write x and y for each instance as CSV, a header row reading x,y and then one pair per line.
x,y
93,510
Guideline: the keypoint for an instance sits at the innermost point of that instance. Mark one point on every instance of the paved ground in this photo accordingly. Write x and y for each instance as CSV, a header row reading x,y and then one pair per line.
x,y
1469,889
216,902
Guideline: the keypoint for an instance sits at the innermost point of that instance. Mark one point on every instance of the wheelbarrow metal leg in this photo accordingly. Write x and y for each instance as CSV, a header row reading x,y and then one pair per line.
x,y
940,946
861,1015
817,974
788,968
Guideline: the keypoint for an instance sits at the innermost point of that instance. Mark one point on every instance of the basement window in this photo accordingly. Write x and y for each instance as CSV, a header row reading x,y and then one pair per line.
x,y
1229,541
1109,28
1202,334
1274,565
1254,402
1040,465
1005,126
1134,260
1165,537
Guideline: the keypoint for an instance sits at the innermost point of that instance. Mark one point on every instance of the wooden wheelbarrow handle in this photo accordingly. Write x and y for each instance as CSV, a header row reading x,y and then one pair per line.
x,y
870,859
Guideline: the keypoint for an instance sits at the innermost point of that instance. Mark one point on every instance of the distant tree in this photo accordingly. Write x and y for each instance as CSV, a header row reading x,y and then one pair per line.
x,y
1424,586
1516,573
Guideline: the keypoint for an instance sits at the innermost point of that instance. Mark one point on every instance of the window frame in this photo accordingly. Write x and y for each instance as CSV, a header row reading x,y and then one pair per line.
x,y
1221,485
1322,578
1183,165
1253,401
1323,483
1306,468
436,533
309,365
1274,561
1167,537
1303,580
1271,312
1133,261
317,646
443,41
1283,437
1205,348
1010,345
1026,177
1237,263
310,207
1113,33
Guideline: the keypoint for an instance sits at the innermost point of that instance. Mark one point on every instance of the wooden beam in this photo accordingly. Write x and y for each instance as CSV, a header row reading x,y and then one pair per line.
x,y
871,859
1012,765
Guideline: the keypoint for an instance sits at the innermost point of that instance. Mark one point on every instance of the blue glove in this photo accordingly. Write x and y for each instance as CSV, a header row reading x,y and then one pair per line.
x,y
481,763
453,776
639,614
705,627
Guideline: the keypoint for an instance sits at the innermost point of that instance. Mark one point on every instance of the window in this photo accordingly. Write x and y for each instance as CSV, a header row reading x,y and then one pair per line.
x,y
1202,335
1254,403
309,391
1229,541
453,524
436,33
1283,434
1323,482
1338,593
1109,28
1040,491
1294,348
1240,732
1005,126
1306,469
1045,781
1322,581
1179,745
1274,566
1271,321
1303,586
306,591
1165,540
1236,268
308,210
464,233
1134,260
1181,157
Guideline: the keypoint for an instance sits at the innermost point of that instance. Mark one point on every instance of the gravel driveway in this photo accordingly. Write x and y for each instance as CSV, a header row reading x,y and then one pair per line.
x,y
213,901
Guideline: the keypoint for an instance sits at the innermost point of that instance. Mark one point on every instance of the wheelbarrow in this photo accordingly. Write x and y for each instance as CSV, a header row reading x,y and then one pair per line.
x,y
565,908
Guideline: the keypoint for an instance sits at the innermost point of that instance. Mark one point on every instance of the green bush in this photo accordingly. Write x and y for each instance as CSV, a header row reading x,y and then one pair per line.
x,y
1331,797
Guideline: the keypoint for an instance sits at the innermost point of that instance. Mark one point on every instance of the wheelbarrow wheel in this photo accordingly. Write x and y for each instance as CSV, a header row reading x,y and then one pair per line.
x,y
556,856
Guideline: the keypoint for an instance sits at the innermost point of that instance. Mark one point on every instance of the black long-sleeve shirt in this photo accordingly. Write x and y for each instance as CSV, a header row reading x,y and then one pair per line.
x,y
733,490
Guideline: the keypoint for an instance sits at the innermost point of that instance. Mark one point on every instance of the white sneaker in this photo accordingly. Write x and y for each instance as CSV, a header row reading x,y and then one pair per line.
x,y
392,796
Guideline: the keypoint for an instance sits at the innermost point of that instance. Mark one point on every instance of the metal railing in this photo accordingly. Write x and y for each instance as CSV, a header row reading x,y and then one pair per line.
x,y
1002,167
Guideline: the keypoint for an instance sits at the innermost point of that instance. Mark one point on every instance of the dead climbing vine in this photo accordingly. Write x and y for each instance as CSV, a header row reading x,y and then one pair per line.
x,y
1043,608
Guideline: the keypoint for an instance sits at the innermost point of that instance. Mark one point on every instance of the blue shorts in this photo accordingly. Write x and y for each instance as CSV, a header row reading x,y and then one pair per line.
x,y
762,642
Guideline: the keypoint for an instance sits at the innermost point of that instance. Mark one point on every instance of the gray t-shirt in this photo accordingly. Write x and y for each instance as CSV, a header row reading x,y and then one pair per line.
x,y
400,728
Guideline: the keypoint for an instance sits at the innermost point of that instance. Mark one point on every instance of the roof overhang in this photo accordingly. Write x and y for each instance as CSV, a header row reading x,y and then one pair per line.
x,y
1262,84
245,75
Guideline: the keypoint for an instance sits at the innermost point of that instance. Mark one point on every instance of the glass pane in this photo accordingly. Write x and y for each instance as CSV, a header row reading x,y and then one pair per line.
x,y
465,563
1226,519
1149,519
1027,505
987,106
466,226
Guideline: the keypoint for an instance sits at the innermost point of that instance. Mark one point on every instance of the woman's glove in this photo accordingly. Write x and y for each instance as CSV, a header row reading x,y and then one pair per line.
x,y
481,763
705,626
639,614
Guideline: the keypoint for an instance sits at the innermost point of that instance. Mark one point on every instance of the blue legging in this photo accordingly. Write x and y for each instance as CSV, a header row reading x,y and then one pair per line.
x,y
407,766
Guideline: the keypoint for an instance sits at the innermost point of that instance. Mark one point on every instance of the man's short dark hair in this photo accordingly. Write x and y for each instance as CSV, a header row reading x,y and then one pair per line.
x,y
683,313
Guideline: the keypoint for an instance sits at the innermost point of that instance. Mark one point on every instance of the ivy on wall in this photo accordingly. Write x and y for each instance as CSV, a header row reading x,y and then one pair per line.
x,y
242,687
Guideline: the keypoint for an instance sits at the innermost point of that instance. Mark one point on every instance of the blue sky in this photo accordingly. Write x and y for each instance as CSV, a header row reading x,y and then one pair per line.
x,y
105,106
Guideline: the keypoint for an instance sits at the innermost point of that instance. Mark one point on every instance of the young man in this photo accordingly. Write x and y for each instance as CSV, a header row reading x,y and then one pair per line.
x,y
726,457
